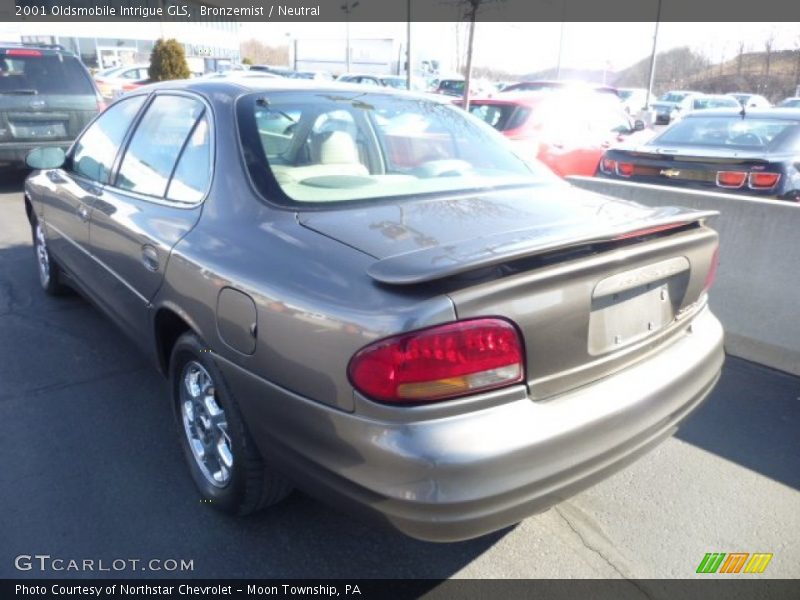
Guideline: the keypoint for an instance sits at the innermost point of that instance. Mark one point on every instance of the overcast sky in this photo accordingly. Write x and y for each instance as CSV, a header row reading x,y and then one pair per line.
x,y
524,47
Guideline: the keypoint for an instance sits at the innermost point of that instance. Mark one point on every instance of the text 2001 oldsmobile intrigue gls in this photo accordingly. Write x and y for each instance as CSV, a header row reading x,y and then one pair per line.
x,y
366,294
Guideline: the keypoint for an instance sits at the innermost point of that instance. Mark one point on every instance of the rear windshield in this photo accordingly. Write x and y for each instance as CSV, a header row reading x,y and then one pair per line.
x,y
501,116
703,103
673,97
314,147
53,74
767,134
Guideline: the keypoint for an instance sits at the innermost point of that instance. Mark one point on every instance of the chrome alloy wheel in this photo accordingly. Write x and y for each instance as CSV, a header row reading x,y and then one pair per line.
x,y
42,256
205,425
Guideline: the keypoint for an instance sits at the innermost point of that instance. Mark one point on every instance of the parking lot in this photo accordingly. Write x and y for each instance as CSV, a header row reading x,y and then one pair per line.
x,y
91,468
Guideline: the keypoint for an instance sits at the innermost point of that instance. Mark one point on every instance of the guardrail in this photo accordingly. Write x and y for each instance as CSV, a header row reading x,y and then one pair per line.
x,y
757,291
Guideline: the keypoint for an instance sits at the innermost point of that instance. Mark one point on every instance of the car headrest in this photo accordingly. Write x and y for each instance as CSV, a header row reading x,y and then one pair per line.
x,y
333,147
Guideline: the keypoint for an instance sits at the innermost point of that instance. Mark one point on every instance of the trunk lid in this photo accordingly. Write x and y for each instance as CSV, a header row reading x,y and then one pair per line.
x,y
419,242
593,283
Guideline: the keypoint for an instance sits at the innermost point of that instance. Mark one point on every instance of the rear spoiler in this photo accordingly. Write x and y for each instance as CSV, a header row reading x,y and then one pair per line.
x,y
440,262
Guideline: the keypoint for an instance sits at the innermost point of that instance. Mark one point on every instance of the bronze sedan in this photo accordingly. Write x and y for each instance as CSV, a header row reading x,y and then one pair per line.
x,y
368,295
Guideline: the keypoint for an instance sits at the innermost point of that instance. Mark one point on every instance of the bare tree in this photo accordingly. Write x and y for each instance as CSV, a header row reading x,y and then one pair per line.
x,y
797,62
740,59
769,44
260,53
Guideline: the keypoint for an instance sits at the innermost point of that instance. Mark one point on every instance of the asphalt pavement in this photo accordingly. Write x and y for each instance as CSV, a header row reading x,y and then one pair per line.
x,y
90,468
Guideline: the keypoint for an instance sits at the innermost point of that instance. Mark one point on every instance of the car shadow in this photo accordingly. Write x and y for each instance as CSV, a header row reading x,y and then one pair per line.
x,y
92,465
12,180
751,418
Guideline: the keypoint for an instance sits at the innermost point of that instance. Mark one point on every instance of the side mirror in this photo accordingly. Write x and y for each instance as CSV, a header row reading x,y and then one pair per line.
x,y
638,125
46,158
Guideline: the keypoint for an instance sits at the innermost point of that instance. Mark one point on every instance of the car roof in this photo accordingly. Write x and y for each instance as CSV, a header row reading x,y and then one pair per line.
x,y
44,49
760,113
239,86
726,96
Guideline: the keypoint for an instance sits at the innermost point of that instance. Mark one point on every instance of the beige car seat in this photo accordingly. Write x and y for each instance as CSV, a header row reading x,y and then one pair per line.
x,y
332,153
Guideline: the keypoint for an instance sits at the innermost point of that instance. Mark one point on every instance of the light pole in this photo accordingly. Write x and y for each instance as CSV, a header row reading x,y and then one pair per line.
x,y
347,7
408,46
653,59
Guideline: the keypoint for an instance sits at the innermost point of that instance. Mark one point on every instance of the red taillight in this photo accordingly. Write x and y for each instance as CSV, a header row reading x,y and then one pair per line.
x,y
22,52
763,180
731,179
608,165
624,169
441,362
711,276
101,105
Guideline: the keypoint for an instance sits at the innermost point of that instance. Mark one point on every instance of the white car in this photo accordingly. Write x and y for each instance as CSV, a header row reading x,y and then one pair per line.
x,y
110,82
693,102
751,100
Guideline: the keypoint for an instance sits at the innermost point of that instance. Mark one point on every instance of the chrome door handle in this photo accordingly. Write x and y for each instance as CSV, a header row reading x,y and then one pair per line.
x,y
83,213
150,258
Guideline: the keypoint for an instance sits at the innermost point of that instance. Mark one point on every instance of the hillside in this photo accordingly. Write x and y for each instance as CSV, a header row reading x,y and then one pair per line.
x,y
681,68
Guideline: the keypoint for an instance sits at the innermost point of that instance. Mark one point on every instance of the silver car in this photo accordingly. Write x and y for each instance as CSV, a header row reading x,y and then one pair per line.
x,y
369,296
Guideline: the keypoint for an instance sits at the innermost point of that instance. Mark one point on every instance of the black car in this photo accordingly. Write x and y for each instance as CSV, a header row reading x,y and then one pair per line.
x,y
755,153
47,97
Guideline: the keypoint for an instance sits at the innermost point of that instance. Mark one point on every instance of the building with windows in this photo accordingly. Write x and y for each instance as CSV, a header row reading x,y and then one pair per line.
x,y
210,45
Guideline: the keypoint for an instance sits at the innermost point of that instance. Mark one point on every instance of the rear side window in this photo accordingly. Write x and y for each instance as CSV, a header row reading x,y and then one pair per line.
x,y
156,144
193,173
97,148
54,74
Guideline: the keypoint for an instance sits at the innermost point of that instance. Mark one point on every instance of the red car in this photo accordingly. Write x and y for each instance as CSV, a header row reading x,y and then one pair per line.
x,y
567,131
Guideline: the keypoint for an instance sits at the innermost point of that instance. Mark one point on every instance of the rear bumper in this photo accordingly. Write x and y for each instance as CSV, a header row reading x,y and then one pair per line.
x,y
12,154
462,476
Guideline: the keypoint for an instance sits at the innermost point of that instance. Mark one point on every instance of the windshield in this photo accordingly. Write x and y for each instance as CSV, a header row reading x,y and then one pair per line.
x,y
343,146
725,131
395,82
52,74
673,97
452,85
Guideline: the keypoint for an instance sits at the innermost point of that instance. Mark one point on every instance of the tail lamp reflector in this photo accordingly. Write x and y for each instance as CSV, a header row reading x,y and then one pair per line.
x,y
624,169
731,179
763,180
438,363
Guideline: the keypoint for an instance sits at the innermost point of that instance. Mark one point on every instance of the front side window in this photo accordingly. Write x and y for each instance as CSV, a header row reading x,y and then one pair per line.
x,y
158,140
345,146
97,148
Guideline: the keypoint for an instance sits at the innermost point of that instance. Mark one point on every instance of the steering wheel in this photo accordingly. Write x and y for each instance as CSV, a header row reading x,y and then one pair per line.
x,y
444,168
748,139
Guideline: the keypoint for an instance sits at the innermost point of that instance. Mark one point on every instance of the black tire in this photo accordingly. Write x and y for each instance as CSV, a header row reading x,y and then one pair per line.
x,y
251,485
50,276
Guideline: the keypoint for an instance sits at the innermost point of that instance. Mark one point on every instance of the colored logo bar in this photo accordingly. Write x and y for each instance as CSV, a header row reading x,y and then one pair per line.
x,y
734,562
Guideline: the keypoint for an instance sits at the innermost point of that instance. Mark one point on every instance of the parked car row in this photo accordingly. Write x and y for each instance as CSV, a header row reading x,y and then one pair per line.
x,y
572,128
